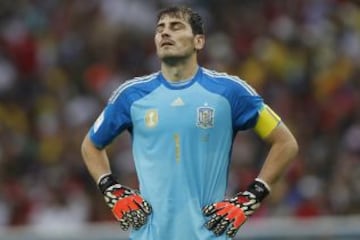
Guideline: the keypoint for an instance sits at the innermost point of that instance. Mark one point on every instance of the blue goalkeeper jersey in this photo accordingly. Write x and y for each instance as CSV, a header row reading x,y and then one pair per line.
x,y
182,137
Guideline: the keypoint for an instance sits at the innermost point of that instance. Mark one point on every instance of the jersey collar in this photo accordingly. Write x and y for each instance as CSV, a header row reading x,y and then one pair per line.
x,y
181,84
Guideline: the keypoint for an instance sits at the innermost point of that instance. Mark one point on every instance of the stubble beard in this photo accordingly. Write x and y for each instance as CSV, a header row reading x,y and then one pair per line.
x,y
173,60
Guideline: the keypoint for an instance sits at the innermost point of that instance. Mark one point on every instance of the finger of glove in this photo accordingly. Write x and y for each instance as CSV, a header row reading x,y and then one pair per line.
x,y
214,220
221,227
141,215
130,204
236,216
226,209
124,224
140,220
135,215
122,207
131,215
136,218
213,208
144,205
209,210
233,229
231,232
237,219
126,208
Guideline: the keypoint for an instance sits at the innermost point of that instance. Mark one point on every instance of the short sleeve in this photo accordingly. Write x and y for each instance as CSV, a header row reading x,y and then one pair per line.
x,y
111,122
246,111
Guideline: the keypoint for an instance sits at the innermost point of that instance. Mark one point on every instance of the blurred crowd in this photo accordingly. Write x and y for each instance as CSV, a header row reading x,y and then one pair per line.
x,y
61,59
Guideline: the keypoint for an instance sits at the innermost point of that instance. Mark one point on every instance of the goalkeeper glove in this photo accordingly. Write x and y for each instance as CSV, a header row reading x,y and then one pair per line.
x,y
229,215
128,207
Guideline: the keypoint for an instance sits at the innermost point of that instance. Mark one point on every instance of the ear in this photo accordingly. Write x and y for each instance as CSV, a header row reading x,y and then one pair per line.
x,y
199,41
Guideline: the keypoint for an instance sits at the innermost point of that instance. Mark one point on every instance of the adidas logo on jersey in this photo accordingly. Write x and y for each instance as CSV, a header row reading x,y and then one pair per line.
x,y
177,102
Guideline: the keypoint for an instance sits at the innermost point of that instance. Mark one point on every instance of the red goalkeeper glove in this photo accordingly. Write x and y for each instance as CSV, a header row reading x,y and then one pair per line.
x,y
128,207
229,215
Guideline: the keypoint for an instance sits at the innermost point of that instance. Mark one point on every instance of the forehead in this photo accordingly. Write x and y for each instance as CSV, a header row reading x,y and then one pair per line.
x,y
174,17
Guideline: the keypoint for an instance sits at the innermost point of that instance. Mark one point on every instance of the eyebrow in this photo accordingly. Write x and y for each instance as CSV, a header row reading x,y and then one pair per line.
x,y
174,22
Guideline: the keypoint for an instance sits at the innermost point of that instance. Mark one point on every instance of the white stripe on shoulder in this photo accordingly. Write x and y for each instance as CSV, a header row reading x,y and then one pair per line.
x,y
131,82
233,78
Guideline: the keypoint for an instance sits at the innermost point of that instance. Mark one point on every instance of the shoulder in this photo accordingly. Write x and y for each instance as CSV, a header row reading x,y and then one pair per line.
x,y
230,82
145,82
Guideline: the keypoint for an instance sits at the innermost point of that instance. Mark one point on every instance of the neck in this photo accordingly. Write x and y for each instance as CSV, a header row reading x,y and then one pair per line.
x,y
179,69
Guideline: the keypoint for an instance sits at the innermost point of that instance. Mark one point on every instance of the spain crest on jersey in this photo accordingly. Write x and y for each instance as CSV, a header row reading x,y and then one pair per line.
x,y
205,117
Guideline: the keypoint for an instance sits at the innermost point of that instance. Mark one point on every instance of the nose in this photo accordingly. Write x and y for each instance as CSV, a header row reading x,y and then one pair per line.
x,y
165,33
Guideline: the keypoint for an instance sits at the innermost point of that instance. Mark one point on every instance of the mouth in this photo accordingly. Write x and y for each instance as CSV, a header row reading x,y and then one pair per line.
x,y
166,43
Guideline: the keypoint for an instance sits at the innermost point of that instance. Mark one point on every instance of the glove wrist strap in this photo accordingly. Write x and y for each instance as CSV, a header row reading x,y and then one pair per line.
x,y
106,181
259,188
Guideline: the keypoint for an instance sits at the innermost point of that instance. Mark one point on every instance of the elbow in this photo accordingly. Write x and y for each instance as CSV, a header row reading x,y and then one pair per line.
x,y
85,147
88,148
292,147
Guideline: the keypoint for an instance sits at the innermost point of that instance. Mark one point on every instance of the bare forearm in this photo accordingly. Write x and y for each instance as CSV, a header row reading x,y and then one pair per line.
x,y
278,159
283,149
95,160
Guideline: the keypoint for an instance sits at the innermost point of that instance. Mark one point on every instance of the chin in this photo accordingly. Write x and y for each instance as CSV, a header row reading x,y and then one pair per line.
x,y
170,56
166,54
173,59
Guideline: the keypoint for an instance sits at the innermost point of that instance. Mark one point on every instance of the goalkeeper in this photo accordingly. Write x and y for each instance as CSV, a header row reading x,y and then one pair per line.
x,y
183,120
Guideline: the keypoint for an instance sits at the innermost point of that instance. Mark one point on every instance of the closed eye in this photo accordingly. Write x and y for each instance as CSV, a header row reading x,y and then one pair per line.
x,y
174,26
160,28
177,26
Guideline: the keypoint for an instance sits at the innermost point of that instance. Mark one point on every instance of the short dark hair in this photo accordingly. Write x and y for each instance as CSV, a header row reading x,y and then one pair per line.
x,y
187,13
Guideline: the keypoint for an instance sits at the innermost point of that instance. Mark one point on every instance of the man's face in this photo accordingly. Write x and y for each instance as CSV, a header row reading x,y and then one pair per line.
x,y
174,38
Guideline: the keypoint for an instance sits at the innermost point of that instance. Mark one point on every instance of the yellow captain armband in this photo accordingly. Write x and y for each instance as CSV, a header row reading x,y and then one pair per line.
x,y
267,121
